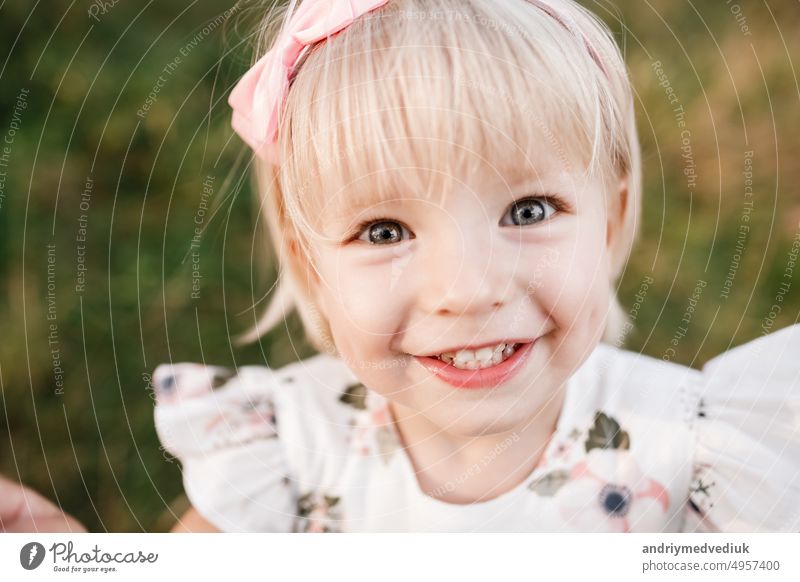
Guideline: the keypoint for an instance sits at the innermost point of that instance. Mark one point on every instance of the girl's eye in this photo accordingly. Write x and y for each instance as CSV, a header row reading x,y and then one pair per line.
x,y
383,232
533,210
527,211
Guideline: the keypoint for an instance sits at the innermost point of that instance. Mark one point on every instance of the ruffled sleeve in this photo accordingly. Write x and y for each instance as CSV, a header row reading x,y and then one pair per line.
x,y
223,428
747,439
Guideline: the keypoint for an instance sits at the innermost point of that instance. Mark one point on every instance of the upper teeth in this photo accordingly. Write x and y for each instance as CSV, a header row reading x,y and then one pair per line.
x,y
473,359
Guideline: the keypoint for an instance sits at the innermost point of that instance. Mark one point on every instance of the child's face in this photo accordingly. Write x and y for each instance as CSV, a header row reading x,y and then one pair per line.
x,y
424,278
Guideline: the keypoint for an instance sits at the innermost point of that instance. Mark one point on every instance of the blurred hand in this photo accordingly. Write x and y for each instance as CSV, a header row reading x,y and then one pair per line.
x,y
24,510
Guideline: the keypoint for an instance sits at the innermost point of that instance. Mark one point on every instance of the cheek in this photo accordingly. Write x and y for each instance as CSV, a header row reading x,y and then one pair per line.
x,y
574,283
363,301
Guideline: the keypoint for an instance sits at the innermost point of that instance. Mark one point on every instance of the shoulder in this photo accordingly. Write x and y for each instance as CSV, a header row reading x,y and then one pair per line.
x,y
251,439
747,453
616,378
315,376
318,400
303,397
321,384
767,363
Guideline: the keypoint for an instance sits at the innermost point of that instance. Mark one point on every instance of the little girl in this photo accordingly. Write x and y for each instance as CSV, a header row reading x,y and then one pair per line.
x,y
453,189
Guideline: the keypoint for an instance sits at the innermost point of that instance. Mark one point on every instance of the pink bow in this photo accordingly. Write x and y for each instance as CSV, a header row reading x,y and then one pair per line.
x,y
259,95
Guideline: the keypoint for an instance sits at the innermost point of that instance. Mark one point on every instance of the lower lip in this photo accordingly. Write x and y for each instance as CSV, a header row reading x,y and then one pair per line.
x,y
483,378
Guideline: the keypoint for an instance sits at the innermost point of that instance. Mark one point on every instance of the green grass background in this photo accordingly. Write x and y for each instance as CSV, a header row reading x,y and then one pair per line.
x,y
93,447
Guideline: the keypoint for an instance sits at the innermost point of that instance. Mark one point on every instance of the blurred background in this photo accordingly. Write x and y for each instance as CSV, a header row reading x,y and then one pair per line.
x,y
115,145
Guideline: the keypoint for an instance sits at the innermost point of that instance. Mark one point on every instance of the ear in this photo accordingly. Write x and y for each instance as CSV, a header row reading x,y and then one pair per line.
x,y
617,215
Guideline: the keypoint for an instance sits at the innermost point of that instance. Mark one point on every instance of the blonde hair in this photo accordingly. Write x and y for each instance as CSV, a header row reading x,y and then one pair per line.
x,y
423,82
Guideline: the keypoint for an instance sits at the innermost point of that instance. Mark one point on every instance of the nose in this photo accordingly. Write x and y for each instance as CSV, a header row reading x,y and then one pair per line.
x,y
465,274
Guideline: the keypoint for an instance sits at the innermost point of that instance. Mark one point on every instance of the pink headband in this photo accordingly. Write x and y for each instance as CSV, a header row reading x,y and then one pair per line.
x,y
259,96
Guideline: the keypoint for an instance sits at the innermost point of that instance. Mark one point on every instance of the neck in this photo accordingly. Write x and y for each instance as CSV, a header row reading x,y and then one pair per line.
x,y
471,469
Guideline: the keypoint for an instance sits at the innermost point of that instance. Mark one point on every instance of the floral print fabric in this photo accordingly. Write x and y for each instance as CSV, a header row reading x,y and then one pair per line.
x,y
600,486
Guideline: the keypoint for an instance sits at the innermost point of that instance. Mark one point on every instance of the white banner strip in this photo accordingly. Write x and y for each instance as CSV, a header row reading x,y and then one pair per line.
x,y
402,557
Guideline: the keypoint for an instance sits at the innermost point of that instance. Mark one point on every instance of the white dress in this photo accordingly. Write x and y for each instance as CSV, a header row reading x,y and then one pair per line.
x,y
641,445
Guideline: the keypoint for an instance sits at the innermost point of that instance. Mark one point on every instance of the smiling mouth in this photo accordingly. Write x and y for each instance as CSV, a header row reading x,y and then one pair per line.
x,y
479,359
483,368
